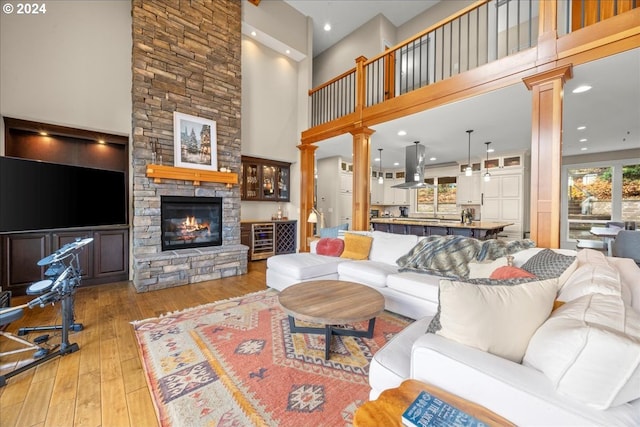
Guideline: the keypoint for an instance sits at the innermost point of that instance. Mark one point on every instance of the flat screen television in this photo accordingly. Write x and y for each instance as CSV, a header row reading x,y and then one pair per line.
x,y
38,195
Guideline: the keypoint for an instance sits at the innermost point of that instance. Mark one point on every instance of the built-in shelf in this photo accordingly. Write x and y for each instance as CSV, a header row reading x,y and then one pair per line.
x,y
159,172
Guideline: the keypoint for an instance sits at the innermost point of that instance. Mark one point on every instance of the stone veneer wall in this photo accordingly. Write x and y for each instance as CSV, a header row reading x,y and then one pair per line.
x,y
186,58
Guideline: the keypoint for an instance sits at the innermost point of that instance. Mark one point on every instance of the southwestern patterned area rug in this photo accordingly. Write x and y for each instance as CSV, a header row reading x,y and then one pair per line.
x,y
235,363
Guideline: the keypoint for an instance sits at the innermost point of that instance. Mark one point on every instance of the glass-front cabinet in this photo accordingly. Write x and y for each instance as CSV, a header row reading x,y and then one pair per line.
x,y
264,180
503,162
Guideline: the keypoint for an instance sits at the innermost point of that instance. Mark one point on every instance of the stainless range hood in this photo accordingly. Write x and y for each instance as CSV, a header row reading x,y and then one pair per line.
x,y
414,168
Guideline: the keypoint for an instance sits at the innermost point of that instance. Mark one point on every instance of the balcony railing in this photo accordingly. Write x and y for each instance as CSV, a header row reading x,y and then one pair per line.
x,y
334,99
477,35
576,14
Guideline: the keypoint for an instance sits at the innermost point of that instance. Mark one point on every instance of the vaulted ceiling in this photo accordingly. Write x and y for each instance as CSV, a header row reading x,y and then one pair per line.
x,y
610,110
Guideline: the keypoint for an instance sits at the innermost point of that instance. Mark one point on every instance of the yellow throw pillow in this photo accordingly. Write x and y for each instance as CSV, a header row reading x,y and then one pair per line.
x,y
356,246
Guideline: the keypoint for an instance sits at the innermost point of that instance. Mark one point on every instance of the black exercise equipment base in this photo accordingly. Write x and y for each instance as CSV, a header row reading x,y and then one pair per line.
x,y
61,352
75,327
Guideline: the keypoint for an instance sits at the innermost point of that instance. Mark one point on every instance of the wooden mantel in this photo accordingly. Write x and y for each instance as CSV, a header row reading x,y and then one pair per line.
x,y
159,172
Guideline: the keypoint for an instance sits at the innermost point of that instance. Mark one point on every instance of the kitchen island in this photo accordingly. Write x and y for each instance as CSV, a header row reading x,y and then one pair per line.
x,y
481,230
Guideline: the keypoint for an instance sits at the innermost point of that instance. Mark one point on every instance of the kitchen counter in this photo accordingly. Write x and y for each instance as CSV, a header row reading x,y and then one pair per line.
x,y
428,227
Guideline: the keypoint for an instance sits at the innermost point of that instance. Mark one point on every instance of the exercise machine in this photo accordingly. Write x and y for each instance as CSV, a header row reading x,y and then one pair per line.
x,y
63,277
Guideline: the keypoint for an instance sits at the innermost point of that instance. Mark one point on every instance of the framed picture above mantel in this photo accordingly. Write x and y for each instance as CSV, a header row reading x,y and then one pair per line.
x,y
194,142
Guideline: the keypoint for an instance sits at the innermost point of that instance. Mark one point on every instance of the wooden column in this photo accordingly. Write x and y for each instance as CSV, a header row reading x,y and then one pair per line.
x,y
307,192
546,154
361,178
548,31
361,81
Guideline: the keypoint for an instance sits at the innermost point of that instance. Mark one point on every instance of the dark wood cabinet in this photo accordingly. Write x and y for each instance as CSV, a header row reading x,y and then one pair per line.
x,y
264,180
103,260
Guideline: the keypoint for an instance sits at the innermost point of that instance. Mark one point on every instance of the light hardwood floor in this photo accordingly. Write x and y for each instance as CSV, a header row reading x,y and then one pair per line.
x,y
102,384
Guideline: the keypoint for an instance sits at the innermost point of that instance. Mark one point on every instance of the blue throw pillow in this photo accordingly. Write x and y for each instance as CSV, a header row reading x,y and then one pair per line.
x,y
333,231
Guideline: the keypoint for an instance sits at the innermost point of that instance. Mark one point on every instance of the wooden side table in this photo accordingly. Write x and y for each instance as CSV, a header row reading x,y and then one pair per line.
x,y
388,408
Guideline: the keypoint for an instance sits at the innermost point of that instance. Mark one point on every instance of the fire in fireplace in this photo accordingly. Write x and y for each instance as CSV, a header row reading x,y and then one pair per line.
x,y
190,222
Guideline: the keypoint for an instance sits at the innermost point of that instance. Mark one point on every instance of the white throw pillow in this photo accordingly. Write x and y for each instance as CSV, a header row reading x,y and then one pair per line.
x,y
482,270
493,318
590,350
590,256
388,247
591,278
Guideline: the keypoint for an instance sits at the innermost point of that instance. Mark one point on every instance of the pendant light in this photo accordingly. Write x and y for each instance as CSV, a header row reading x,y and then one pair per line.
x,y
416,175
487,175
380,178
469,171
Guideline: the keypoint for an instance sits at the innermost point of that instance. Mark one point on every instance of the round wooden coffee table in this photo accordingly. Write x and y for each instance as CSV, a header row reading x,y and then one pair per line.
x,y
331,303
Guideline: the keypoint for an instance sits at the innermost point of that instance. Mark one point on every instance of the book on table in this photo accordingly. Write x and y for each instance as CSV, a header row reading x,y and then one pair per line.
x,y
427,410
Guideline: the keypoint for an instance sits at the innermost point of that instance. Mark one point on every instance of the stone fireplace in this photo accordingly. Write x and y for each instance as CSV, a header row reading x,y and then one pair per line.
x,y
190,222
186,58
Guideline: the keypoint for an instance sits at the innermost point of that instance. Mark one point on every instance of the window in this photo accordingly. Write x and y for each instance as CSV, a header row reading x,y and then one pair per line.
x,y
595,194
426,198
631,193
440,200
589,195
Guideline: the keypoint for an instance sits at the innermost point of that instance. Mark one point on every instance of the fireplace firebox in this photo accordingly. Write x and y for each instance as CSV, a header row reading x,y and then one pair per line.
x,y
190,222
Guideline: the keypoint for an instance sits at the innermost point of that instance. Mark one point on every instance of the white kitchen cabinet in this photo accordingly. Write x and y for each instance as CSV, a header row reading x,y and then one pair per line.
x,y
400,196
346,182
469,189
388,190
503,201
377,192
504,162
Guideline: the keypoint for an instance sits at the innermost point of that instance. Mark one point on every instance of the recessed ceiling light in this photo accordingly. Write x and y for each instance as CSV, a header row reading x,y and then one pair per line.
x,y
402,132
584,149
582,127
101,141
327,27
287,51
582,88
583,140
377,159
43,133
433,158
396,164
253,33
490,150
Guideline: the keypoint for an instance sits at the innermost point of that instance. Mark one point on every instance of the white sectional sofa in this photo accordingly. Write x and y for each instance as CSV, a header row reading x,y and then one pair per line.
x,y
580,374
556,383
408,293
404,293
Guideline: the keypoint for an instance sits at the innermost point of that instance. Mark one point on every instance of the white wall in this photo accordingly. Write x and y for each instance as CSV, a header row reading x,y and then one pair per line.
x,y
269,117
367,41
274,96
293,33
70,66
431,16
269,100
